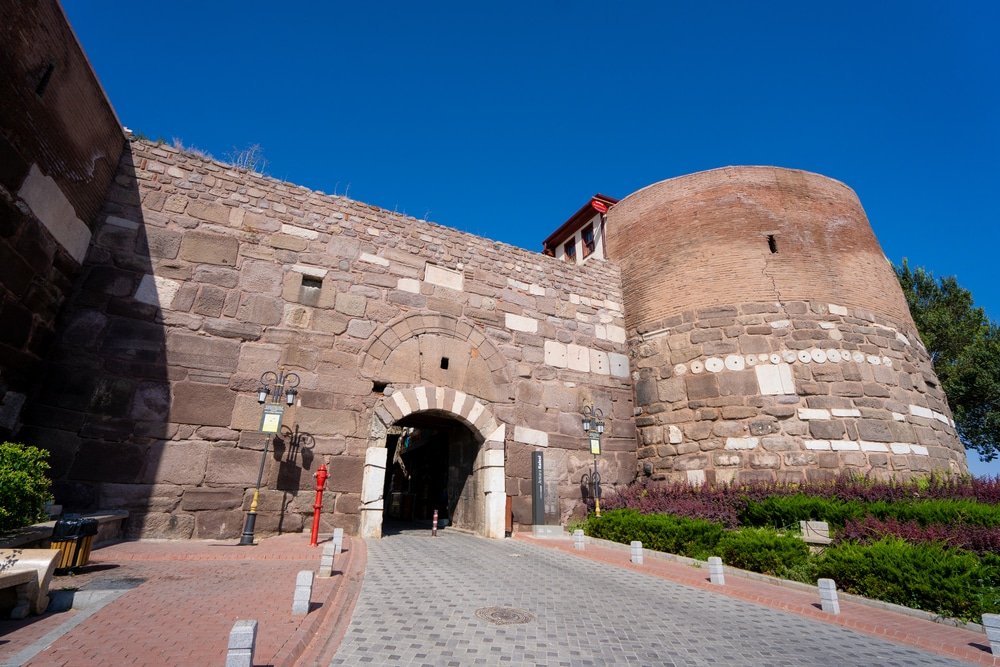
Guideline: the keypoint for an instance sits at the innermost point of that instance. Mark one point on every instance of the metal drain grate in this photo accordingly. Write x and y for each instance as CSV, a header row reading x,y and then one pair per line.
x,y
504,615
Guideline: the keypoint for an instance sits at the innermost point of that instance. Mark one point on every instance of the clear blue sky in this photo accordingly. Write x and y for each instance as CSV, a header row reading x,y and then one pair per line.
x,y
502,119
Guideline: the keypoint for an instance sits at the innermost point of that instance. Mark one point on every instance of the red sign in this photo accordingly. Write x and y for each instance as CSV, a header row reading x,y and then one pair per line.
x,y
599,206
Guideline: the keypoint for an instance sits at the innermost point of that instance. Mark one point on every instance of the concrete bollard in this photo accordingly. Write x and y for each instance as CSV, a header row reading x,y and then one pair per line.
x,y
715,573
242,643
637,552
991,623
338,540
828,596
303,591
578,539
326,561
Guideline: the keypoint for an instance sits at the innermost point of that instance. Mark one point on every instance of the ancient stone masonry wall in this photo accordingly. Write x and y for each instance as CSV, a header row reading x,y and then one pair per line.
x,y
770,338
790,392
59,146
201,277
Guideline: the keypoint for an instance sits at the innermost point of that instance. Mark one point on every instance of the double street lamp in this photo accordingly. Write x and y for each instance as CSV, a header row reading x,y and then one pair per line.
x,y
277,390
593,426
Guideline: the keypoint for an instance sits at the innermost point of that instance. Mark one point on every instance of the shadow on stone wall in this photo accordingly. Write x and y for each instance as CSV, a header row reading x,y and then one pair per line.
x,y
102,400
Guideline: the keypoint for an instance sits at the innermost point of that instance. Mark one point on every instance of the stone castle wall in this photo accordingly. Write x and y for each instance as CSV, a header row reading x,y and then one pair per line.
x,y
771,338
59,147
201,277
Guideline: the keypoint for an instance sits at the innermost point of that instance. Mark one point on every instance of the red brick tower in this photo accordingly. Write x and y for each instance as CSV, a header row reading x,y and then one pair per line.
x,y
769,336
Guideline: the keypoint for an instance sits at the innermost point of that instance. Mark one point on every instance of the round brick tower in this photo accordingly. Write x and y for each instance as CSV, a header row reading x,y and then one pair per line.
x,y
770,338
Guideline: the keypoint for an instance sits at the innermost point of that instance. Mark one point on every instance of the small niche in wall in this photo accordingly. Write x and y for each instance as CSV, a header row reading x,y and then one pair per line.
x,y
43,82
444,363
772,244
310,290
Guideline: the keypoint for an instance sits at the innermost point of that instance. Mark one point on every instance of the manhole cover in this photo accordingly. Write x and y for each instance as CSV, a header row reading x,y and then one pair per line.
x,y
504,615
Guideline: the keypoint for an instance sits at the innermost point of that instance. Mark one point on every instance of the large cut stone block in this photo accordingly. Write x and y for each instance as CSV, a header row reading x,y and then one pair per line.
x,y
194,351
207,248
203,404
176,462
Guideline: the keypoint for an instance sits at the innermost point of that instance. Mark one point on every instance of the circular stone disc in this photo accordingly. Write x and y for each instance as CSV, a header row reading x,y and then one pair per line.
x,y
857,357
887,362
714,364
818,355
775,358
734,362
873,360
789,356
680,369
697,367
833,356
804,356
751,360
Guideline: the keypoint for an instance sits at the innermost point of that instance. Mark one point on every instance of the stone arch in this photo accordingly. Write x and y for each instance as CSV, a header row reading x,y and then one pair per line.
x,y
376,353
488,465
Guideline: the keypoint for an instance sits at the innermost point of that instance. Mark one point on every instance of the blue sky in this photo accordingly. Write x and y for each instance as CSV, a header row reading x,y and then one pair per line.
x,y
502,119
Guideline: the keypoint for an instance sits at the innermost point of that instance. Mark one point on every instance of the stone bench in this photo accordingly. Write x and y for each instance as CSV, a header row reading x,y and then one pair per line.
x,y
29,572
816,534
110,527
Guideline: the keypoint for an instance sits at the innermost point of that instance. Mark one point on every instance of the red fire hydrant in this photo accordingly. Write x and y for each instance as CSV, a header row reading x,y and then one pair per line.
x,y
320,476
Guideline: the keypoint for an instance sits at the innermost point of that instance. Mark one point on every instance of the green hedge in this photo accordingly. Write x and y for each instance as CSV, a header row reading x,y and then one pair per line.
x,y
787,511
661,532
24,486
932,577
764,550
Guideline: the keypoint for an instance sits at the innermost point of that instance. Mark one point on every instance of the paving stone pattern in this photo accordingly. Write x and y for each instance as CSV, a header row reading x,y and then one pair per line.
x,y
420,596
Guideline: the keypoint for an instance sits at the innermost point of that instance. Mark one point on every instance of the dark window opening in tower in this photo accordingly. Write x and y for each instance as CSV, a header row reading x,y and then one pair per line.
x,y
772,244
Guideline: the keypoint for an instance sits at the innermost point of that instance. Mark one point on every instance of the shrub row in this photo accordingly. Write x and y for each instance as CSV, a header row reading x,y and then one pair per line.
x,y
978,539
930,576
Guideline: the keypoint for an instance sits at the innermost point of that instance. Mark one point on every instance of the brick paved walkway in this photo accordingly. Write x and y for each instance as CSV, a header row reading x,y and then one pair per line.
x,y
420,595
173,603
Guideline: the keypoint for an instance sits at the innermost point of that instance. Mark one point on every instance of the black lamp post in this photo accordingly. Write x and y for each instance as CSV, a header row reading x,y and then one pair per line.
x,y
276,391
593,426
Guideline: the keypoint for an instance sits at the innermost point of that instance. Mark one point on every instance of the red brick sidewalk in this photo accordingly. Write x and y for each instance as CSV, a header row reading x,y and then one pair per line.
x,y
928,635
185,599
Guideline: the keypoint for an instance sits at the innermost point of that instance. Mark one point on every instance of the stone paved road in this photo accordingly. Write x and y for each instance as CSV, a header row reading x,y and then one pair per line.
x,y
420,595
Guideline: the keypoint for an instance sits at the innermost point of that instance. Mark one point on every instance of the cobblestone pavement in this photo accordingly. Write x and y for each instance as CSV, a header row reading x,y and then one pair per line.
x,y
420,597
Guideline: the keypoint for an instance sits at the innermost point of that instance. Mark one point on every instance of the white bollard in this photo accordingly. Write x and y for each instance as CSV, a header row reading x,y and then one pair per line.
x,y
326,560
303,591
991,624
242,643
715,573
338,540
578,539
828,596
637,552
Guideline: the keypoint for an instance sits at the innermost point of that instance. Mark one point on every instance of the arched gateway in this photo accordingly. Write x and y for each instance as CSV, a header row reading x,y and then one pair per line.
x,y
481,495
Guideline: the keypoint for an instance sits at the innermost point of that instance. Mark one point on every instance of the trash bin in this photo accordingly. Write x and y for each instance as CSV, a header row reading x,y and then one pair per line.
x,y
73,536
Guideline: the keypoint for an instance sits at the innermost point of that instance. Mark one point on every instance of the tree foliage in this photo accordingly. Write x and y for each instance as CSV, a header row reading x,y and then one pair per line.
x,y
965,348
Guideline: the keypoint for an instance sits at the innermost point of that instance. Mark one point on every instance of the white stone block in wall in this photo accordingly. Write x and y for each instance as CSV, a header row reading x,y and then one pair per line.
x,y
902,339
439,275
696,477
400,400
578,358
844,446
600,331
408,285
619,365
813,413
846,412
307,270
612,305
900,448
837,310
530,436
919,450
476,412
519,323
742,443
616,334
292,230
459,405
674,434
555,354
499,434
781,324
921,411
536,290
898,416
156,291
599,362
421,394
827,325
373,259
873,446
574,298
775,380
56,213
940,417
817,445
